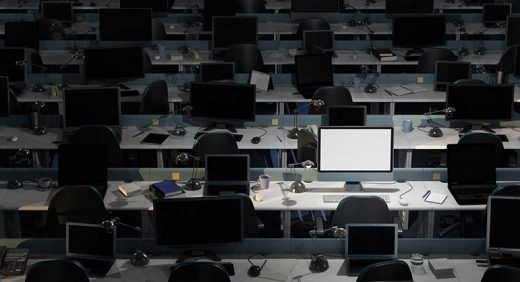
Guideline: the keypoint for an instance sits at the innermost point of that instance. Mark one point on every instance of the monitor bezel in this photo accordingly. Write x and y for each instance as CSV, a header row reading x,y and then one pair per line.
x,y
167,2
494,4
8,95
516,65
347,107
446,83
202,65
100,33
68,3
396,233
488,227
79,255
323,83
37,34
320,12
213,47
418,45
393,13
218,182
89,80
25,69
510,18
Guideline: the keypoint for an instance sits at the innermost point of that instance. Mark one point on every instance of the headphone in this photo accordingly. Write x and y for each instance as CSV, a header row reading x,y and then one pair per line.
x,y
254,270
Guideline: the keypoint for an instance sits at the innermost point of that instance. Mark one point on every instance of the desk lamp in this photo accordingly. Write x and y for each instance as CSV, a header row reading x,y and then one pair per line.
x,y
436,131
21,154
183,158
293,133
35,117
297,186
481,49
179,129
319,262
139,258
37,87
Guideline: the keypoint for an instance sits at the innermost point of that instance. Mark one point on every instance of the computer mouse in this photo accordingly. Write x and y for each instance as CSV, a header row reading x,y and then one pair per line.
x,y
256,140
156,57
253,271
435,132
403,202
171,27
13,138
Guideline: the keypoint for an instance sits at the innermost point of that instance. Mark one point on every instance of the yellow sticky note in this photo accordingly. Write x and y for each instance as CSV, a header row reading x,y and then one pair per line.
x,y
420,79
155,122
176,176
274,122
436,176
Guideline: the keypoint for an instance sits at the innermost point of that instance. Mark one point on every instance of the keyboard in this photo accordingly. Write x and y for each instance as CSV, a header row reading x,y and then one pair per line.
x,y
238,137
336,198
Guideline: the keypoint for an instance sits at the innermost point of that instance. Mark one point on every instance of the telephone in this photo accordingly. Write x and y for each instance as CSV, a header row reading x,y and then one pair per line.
x,y
13,261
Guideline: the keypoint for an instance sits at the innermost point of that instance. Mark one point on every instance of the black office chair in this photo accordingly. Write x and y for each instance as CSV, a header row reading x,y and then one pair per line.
x,y
311,24
502,273
198,272
50,29
394,270
331,96
158,30
361,209
147,63
251,223
468,82
428,59
220,142
100,134
249,6
63,270
307,146
247,57
155,99
507,61
80,203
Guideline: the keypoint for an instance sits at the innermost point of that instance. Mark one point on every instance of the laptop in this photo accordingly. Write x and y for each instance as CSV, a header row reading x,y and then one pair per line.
x,y
367,244
503,231
313,71
92,246
227,174
471,172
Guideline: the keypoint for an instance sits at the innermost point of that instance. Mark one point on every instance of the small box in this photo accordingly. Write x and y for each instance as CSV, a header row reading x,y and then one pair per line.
x,y
129,189
441,268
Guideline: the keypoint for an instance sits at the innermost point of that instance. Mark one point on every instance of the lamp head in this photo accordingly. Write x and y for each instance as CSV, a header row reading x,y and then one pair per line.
x,y
20,63
109,225
307,164
318,103
23,153
449,111
182,158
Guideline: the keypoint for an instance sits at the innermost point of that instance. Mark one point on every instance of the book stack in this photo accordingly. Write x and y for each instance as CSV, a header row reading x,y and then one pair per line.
x,y
441,268
165,189
384,54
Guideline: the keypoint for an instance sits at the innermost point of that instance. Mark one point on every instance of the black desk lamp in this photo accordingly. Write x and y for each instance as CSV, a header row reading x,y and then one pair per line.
x,y
435,131
297,186
15,183
293,133
35,117
481,49
193,183
319,262
139,258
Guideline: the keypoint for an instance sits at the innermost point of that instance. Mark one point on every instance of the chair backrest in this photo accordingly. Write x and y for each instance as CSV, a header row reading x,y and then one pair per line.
x,y
79,203
158,30
100,134
311,24
50,29
307,146
198,272
220,142
507,61
502,273
469,82
63,270
429,59
509,190
247,57
147,63
155,99
249,219
249,6
360,209
331,96
501,159
394,270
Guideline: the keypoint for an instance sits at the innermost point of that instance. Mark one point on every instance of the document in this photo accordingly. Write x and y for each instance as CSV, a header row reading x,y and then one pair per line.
x,y
405,89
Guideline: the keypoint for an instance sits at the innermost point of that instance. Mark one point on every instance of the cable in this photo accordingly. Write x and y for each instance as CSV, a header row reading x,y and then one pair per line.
x,y
411,188
264,130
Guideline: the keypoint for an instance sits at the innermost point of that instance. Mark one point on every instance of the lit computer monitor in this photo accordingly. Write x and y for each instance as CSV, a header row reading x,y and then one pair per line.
x,y
322,40
409,6
346,115
223,104
495,14
214,8
22,34
419,32
313,6
356,150
4,96
512,30
58,10
233,30
9,67
157,6
217,71
126,63
312,72
125,24
476,105
205,222
88,106
447,72
503,229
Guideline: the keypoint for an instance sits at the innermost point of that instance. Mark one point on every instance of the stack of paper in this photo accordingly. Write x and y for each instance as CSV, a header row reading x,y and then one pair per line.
x,y
441,268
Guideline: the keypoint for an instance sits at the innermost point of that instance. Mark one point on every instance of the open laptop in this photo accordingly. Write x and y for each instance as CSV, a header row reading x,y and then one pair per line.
x,y
92,246
312,72
471,172
503,231
367,244
227,174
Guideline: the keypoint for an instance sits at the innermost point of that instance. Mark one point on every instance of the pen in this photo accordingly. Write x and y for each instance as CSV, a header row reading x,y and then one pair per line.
x,y
138,134
428,192
279,138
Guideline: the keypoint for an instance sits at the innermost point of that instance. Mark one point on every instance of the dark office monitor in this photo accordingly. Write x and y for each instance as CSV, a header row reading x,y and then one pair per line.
x,y
313,6
480,102
223,102
234,30
472,163
58,10
409,6
9,67
226,168
447,72
512,30
217,8
503,230
157,6
198,222
83,164
113,64
346,115
419,31
86,106
85,240
493,14
314,70
515,5
4,96
217,71
517,61
318,39
22,34
125,24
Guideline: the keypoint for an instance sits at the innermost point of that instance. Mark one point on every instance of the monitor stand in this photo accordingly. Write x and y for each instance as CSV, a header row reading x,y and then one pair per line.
x,y
216,125
198,253
354,186
468,128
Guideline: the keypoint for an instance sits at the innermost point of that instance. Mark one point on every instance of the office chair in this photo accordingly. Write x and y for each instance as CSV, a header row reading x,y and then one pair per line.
x,y
220,142
394,270
62,270
502,273
249,6
36,59
155,99
100,134
468,82
147,63
311,24
198,272
251,223
158,30
79,203
307,146
247,57
361,209
50,29
429,58
507,61
331,96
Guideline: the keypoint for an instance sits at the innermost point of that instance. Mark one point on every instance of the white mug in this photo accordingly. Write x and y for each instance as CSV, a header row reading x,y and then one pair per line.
x,y
263,181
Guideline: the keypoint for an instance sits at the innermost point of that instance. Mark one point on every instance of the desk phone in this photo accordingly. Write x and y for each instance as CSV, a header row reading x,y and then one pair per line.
x,y
13,261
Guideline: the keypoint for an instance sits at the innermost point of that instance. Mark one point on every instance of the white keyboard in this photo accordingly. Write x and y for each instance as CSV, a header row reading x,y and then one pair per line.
x,y
336,198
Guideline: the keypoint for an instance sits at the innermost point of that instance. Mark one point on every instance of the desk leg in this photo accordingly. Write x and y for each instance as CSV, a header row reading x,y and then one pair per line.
x,y
408,159
35,159
426,222
286,219
391,108
430,224
404,218
283,156
160,160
